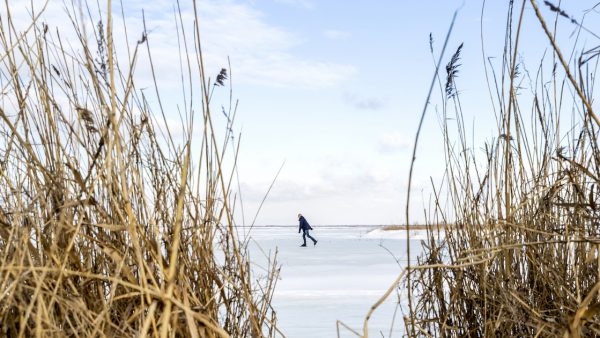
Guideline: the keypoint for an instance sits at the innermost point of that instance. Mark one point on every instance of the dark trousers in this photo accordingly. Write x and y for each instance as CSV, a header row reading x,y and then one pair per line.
x,y
305,234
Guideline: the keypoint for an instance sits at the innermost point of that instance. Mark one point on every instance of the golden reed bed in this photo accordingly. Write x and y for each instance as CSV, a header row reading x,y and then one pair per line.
x,y
110,227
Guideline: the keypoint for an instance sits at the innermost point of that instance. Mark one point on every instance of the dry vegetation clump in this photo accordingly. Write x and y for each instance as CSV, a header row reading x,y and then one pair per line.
x,y
524,257
108,228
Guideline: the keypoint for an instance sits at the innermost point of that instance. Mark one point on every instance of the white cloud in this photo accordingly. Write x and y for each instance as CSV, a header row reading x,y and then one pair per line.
x,y
364,103
307,4
334,179
283,70
262,53
176,128
337,190
333,34
393,142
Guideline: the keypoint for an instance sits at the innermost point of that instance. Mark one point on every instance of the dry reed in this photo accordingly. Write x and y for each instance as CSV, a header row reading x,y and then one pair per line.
x,y
107,228
523,255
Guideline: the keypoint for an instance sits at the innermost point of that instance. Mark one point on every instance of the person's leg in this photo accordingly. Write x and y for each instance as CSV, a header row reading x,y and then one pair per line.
x,y
304,233
309,236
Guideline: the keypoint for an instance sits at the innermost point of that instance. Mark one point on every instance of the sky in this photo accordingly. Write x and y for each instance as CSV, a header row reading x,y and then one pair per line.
x,y
331,92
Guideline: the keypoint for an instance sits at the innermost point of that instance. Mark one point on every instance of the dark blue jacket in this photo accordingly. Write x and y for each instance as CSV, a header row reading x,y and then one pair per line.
x,y
304,224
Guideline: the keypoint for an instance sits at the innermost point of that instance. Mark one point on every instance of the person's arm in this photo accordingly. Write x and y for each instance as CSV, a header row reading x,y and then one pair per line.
x,y
300,226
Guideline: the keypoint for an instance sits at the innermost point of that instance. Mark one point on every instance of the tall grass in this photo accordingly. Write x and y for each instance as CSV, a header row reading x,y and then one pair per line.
x,y
109,226
523,256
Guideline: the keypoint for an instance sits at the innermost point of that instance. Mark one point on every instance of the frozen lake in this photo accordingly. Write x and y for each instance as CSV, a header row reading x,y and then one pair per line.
x,y
340,278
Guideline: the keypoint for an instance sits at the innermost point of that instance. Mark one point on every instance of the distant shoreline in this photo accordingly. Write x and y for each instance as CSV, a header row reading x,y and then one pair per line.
x,y
374,227
410,227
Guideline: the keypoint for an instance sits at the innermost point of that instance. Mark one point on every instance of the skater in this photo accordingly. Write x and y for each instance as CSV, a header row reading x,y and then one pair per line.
x,y
305,227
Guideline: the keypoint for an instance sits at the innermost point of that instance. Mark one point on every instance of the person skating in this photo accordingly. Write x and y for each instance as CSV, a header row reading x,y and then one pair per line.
x,y
305,227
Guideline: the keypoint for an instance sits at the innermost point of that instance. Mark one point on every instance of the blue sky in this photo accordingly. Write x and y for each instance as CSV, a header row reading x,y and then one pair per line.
x,y
346,131
335,89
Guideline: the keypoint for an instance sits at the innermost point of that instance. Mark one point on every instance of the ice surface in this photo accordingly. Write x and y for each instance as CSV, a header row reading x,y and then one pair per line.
x,y
338,279
395,234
